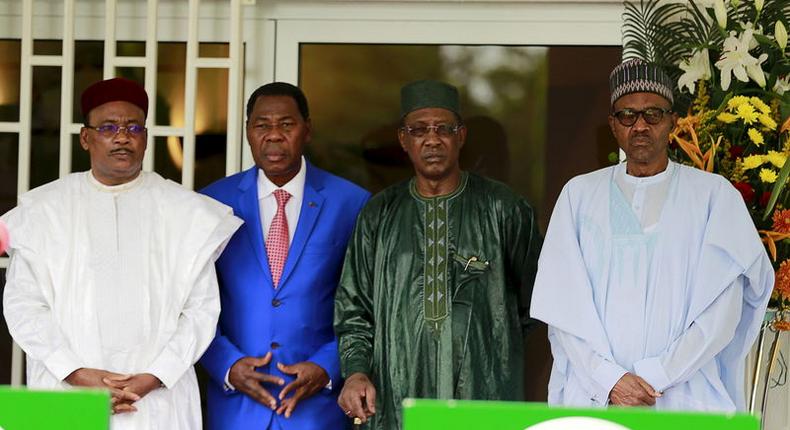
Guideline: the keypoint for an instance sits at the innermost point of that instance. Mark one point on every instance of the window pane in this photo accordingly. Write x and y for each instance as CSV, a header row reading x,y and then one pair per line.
x,y
9,156
136,74
45,133
10,52
88,68
211,49
80,159
168,157
211,119
130,49
47,47
171,74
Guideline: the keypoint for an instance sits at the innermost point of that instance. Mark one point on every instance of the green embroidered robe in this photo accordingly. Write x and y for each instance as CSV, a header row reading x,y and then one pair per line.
x,y
434,295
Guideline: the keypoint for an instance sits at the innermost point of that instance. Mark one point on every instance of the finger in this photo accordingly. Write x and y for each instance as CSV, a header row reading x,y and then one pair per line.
x,y
282,407
643,398
122,408
288,369
265,378
124,395
293,401
117,377
649,388
266,359
255,362
355,400
290,387
370,399
113,383
252,388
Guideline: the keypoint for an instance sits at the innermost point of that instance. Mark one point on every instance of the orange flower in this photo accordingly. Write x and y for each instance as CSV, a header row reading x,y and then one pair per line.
x,y
782,282
782,325
782,221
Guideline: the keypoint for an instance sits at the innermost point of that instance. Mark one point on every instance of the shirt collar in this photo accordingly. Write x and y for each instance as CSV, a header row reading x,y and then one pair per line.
x,y
647,180
115,188
294,187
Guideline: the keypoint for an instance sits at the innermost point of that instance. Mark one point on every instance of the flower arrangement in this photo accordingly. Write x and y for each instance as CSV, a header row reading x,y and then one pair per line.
x,y
732,66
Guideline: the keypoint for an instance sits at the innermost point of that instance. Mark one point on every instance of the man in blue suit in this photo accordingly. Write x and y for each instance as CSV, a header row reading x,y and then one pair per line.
x,y
274,361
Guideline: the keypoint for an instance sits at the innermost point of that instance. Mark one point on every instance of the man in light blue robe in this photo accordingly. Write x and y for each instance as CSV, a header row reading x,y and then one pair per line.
x,y
652,277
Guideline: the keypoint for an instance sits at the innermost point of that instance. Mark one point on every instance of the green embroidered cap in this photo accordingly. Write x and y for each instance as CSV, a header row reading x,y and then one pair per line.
x,y
428,94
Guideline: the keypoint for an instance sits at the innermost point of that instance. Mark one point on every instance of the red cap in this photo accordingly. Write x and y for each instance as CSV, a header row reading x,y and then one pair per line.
x,y
112,90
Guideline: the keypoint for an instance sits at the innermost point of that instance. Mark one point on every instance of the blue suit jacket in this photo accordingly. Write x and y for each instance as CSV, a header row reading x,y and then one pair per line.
x,y
293,321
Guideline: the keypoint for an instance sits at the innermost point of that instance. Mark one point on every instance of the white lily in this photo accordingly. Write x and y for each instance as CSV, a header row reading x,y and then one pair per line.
x,y
695,68
782,85
735,3
780,33
736,60
758,4
720,10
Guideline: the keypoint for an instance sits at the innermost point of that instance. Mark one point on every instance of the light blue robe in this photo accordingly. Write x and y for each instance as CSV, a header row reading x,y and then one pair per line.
x,y
679,305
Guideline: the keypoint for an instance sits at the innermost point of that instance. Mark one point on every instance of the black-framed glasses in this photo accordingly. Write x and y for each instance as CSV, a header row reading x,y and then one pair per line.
x,y
652,115
113,129
441,130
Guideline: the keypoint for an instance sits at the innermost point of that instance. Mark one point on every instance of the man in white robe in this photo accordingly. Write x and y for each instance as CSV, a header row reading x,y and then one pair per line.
x,y
652,277
111,282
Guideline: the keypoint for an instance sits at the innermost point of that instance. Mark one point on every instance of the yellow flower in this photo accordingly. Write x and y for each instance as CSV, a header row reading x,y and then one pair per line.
x,y
737,101
777,159
755,136
727,117
768,176
767,121
747,113
760,105
752,161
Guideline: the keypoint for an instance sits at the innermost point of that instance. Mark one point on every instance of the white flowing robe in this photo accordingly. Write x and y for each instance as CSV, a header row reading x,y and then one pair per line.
x,y
679,304
121,279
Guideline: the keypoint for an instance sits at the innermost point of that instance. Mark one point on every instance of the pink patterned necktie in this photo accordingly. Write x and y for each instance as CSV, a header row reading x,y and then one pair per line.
x,y
277,239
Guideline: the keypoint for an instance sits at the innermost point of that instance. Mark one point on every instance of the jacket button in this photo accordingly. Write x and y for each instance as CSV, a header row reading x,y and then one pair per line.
x,y
275,303
275,345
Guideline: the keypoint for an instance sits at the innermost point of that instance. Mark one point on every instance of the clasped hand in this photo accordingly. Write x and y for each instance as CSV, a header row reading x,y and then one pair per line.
x,y
309,379
124,389
631,390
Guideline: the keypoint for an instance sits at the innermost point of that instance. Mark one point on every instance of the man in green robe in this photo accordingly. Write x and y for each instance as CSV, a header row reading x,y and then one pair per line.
x,y
434,294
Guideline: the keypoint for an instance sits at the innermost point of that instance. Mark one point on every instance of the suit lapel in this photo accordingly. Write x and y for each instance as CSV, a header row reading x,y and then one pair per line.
x,y
251,214
312,202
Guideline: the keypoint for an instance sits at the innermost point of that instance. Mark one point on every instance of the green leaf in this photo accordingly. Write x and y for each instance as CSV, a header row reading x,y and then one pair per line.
x,y
778,187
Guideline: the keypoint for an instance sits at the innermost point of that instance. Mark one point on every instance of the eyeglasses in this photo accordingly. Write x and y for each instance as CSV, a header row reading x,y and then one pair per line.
x,y
113,129
441,130
652,115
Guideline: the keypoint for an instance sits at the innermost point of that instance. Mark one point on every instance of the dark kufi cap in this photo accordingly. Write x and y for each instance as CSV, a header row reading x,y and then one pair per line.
x,y
639,76
113,90
428,94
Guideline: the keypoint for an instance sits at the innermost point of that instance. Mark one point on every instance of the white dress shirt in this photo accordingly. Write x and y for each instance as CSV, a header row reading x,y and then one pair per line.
x,y
267,203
